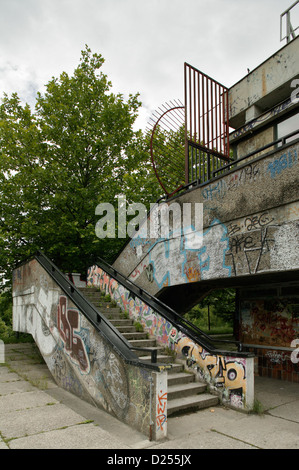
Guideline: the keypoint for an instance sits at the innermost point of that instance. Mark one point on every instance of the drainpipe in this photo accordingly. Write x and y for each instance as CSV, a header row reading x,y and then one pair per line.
x,y
151,420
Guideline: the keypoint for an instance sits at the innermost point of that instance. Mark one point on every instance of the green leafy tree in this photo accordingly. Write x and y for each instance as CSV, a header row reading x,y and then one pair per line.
x,y
221,304
78,148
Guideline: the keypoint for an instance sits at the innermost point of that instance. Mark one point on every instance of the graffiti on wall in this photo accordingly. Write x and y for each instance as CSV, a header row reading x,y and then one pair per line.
x,y
262,241
285,161
271,322
176,260
264,117
219,189
139,311
68,324
254,244
161,409
79,357
227,375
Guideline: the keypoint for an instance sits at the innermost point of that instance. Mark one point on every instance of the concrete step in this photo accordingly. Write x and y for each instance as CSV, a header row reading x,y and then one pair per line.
x,y
191,403
106,309
161,358
185,390
143,343
120,322
139,339
90,291
96,295
110,314
180,377
142,337
126,328
176,369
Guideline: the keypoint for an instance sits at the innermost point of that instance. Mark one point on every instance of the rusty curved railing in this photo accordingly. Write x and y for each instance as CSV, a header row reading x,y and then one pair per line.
x,y
167,147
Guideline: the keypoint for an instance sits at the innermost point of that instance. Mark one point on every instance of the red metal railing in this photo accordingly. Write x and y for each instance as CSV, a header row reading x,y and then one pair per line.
x,y
206,124
190,142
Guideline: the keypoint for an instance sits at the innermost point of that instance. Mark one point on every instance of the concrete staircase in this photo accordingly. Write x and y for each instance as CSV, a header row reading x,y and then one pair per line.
x,y
184,394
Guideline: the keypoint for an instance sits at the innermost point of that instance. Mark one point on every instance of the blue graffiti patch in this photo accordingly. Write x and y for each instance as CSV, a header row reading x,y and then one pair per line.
x,y
287,160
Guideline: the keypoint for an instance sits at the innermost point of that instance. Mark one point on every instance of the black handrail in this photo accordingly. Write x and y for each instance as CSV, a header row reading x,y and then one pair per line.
x,y
98,320
178,321
282,141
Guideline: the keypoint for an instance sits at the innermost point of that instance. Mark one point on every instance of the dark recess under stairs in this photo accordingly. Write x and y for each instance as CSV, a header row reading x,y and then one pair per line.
x,y
184,394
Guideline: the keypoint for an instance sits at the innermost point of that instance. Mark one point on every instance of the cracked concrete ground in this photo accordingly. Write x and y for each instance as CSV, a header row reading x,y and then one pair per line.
x,y
36,414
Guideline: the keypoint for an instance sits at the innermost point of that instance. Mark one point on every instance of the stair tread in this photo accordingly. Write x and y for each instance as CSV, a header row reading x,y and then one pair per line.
x,y
177,369
142,341
188,386
179,375
160,359
137,335
126,328
203,399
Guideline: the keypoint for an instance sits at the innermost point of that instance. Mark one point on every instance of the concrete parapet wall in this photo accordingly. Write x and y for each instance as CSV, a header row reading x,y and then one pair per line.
x,y
250,227
265,86
80,359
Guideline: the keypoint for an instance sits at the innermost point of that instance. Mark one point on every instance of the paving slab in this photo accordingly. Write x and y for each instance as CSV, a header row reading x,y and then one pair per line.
x,y
223,428
15,386
83,436
272,393
21,400
263,432
3,445
7,376
205,440
39,419
289,411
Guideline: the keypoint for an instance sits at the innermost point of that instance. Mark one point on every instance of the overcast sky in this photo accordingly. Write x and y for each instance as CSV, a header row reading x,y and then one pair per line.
x,y
144,42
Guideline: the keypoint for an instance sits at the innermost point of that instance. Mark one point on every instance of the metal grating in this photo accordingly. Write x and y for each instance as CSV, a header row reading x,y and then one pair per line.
x,y
167,146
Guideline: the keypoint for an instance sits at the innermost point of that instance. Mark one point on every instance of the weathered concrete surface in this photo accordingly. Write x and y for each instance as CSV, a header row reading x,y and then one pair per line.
x,y
250,228
265,86
85,427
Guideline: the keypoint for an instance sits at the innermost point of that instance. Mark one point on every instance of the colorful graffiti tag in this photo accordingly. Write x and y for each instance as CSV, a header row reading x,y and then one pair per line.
x,y
224,373
161,409
68,324
271,322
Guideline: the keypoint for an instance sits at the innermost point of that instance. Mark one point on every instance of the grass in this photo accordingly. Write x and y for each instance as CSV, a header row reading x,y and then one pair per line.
x,y
138,327
257,408
219,330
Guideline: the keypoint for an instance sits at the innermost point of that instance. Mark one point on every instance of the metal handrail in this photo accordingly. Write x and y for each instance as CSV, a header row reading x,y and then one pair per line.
x,y
282,141
179,322
98,320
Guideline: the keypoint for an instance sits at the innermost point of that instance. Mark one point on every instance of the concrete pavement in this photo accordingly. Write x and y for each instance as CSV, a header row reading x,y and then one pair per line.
x,y
36,414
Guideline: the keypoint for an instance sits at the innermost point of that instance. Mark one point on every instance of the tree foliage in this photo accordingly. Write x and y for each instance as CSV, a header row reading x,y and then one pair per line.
x,y
222,303
78,148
